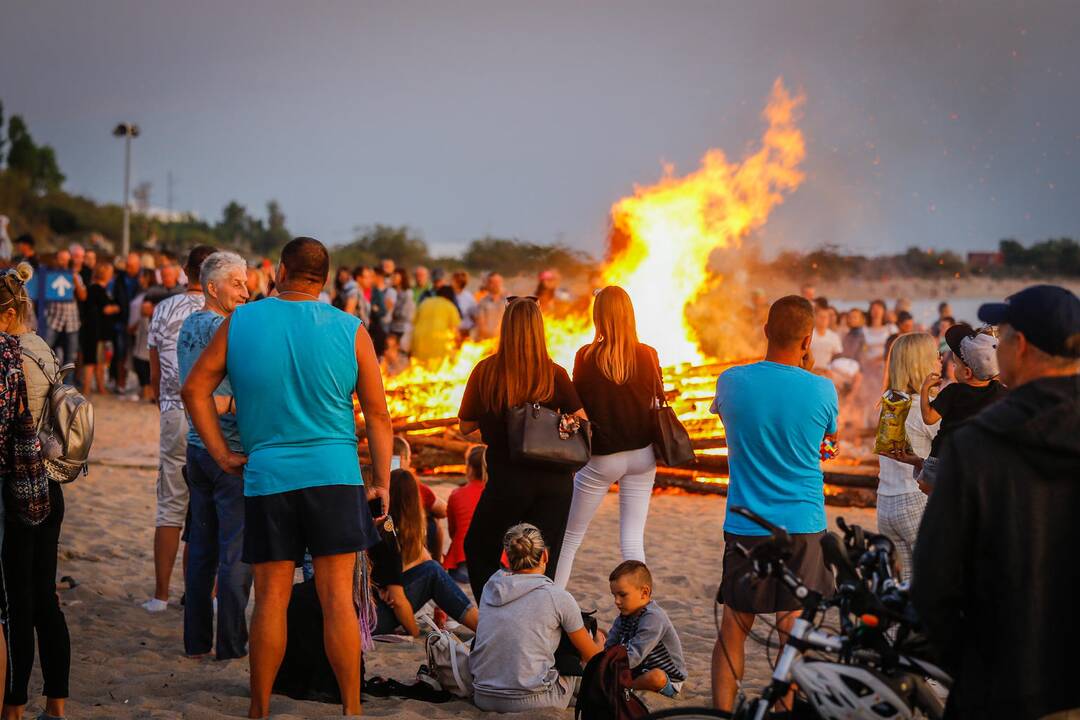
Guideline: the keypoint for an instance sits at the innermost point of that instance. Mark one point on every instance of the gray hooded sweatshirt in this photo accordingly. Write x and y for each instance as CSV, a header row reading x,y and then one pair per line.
x,y
521,622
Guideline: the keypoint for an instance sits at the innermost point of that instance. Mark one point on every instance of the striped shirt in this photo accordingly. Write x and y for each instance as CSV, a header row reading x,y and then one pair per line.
x,y
651,642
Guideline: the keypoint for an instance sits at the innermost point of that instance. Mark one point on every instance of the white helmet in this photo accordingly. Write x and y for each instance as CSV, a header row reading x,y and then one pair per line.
x,y
847,692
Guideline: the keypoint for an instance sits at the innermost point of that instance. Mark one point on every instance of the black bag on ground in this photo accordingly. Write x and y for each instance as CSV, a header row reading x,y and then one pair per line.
x,y
605,689
567,658
548,438
670,439
305,672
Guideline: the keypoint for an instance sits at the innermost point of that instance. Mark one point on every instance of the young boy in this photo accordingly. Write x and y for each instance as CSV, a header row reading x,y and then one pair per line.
x,y
976,386
652,645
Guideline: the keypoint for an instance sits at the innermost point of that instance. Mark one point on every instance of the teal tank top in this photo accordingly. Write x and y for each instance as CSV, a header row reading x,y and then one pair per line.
x,y
292,366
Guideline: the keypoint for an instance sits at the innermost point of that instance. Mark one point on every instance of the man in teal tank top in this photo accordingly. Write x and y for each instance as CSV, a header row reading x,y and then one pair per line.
x,y
294,364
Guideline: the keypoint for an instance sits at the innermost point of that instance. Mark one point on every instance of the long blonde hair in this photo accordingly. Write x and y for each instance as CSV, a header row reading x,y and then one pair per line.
x,y
521,371
912,357
614,347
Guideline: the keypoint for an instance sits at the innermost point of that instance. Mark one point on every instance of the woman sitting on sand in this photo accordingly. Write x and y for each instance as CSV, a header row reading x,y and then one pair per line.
x,y
522,620
404,574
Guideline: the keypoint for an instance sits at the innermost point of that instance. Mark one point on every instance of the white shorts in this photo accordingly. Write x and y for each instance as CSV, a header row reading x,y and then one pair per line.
x,y
172,490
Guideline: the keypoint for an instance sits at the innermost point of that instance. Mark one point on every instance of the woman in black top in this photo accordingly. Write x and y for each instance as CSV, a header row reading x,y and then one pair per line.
x,y
618,380
520,371
98,327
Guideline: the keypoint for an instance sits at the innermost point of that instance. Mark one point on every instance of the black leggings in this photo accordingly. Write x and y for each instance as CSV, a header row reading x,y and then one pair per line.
x,y
29,586
516,494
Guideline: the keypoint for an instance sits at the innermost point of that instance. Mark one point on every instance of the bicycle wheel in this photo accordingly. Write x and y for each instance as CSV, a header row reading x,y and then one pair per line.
x,y
689,713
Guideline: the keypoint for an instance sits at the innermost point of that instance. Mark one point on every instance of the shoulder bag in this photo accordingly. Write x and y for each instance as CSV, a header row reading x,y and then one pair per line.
x,y
670,439
548,438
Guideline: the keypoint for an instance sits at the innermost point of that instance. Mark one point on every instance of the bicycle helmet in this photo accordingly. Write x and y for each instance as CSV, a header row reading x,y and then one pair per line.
x,y
847,692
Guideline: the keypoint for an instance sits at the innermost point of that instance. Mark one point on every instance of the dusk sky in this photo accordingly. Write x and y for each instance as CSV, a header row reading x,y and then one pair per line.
x,y
945,124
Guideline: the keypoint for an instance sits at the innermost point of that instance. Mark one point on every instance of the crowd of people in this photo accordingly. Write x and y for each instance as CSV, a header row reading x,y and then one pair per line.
x,y
260,474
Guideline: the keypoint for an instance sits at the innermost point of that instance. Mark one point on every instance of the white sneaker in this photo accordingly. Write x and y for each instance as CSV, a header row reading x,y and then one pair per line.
x,y
155,606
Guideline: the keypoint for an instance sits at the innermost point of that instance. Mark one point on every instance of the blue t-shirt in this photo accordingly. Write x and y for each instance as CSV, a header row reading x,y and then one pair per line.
x,y
195,334
293,371
775,417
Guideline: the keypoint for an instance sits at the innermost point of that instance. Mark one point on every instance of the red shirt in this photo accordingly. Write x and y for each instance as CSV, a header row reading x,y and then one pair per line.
x,y
427,496
459,512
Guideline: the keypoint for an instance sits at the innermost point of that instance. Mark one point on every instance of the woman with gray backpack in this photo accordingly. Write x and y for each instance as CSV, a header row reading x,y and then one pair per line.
x,y
64,421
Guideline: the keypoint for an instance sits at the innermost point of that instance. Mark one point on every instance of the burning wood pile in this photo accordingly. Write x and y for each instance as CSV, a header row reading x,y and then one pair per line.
x,y
659,248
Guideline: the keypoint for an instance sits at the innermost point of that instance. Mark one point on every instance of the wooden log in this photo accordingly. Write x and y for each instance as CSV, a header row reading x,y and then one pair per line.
x,y
458,446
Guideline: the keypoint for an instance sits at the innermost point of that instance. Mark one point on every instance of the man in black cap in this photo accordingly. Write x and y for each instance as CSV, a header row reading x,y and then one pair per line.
x,y
996,569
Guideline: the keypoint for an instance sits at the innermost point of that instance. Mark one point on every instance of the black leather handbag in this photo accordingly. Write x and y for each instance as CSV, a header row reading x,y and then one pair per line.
x,y
670,439
547,438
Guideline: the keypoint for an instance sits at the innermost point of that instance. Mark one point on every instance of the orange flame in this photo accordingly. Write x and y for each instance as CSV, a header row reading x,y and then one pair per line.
x,y
662,237
672,228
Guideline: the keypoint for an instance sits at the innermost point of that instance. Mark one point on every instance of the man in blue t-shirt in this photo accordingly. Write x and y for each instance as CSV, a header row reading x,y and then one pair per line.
x,y
776,414
216,498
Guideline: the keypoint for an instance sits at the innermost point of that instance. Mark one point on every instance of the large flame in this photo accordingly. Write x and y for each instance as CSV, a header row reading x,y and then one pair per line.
x,y
666,232
661,240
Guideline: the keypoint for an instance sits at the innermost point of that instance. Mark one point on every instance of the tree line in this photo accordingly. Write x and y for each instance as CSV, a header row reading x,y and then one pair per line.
x,y
1055,257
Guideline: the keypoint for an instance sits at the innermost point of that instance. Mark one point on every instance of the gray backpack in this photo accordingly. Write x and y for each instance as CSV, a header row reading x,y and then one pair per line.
x,y
68,432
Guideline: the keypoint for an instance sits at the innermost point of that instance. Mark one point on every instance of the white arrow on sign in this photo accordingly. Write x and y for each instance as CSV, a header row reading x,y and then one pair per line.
x,y
61,285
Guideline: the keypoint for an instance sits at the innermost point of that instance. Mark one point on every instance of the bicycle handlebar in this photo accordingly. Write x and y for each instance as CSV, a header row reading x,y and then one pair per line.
x,y
779,534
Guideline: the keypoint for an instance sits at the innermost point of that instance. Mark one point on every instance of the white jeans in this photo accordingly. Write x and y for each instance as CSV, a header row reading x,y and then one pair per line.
x,y
635,471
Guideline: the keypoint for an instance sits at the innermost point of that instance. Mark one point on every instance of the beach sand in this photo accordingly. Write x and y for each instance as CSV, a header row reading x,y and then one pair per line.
x,y
127,663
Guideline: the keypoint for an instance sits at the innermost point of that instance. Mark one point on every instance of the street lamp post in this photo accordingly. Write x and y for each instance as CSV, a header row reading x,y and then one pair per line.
x,y
127,131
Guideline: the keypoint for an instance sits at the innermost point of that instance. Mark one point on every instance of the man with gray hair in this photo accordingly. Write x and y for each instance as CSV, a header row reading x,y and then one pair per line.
x,y
216,501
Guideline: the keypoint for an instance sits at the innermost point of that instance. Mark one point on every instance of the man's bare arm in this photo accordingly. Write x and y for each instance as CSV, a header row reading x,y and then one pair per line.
x,y
380,434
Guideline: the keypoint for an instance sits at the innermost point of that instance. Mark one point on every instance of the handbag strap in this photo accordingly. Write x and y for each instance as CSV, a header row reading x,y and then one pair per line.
x,y
658,387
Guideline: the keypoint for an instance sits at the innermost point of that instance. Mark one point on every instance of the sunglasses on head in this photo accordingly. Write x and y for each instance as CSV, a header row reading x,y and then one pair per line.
x,y
530,298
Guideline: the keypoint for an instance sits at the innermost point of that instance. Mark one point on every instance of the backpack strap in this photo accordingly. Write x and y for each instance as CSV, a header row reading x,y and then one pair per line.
x,y
53,381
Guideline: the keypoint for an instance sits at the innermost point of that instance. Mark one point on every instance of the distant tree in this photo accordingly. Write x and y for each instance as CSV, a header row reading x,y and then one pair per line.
x,y
385,241
276,235
37,163
513,256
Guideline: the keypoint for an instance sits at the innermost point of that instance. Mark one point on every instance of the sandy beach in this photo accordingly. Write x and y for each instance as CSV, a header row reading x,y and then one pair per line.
x,y
127,663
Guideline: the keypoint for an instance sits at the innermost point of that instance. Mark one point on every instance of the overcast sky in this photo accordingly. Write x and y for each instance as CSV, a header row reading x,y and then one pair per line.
x,y
946,124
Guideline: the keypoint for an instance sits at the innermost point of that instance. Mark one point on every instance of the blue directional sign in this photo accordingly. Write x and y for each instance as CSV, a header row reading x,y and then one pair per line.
x,y
59,286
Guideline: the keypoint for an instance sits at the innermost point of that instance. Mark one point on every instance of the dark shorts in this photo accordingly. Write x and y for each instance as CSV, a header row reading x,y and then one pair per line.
x,y
325,520
142,370
743,591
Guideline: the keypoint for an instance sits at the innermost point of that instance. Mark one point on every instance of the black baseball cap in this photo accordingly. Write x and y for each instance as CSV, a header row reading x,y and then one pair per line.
x,y
1047,315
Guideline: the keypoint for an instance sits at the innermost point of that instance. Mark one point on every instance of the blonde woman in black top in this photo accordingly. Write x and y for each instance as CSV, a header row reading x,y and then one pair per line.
x,y
617,379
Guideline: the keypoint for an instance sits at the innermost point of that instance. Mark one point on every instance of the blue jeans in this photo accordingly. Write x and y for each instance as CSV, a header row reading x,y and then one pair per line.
x,y
215,545
66,344
427,581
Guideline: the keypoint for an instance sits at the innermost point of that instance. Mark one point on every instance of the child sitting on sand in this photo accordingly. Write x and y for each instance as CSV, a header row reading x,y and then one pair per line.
x,y
652,645
976,386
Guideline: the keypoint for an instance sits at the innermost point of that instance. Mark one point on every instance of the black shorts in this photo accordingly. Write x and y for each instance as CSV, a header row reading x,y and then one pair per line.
x,y
142,369
743,591
324,520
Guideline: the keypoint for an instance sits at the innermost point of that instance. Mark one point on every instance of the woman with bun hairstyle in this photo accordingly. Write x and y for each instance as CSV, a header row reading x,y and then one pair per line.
x,y
618,380
519,372
523,616
28,560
